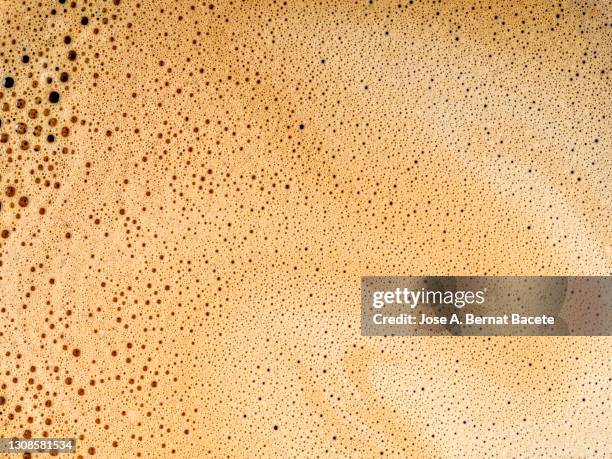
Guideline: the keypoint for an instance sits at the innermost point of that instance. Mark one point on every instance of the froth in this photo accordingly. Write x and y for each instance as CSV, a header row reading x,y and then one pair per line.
x,y
191,191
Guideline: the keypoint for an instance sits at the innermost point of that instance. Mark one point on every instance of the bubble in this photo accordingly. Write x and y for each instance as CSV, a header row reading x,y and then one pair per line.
x,y
54,97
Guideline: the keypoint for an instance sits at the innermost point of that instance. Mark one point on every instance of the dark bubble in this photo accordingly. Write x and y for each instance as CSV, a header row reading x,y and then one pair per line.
x,y
84,20
64,77
25,58
54,97
72,55
8,82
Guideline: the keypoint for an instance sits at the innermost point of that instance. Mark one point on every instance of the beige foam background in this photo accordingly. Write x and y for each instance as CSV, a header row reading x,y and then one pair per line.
x,y
212,288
